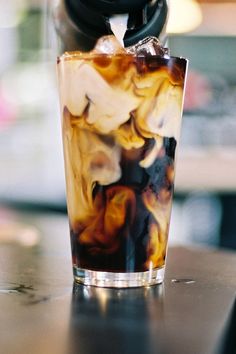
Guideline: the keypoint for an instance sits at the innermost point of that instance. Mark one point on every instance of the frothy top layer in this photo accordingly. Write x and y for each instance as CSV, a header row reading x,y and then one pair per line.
x,y
110,87
111,45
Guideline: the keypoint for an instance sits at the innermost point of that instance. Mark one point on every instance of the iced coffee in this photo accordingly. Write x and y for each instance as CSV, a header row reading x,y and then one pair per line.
x,y
121,117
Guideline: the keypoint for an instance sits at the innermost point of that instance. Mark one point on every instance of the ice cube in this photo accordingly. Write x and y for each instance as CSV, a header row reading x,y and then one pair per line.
x,y
108,45
148,46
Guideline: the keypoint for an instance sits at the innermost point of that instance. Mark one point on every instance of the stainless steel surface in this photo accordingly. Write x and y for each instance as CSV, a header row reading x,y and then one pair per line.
x,y
41,311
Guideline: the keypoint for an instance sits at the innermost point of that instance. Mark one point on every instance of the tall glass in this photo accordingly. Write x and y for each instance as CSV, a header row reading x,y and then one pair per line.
x,y
121,118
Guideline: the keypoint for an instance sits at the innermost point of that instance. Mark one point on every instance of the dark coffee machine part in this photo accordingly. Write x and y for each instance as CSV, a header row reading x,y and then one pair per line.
x,y
81,22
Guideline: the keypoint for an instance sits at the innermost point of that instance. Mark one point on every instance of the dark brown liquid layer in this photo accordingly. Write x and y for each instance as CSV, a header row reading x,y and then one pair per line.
x,y
126,250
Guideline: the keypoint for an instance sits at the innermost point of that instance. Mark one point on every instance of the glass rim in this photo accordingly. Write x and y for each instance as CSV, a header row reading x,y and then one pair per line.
x,y
76,55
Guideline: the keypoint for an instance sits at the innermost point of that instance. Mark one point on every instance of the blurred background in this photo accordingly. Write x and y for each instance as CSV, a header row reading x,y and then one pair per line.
x,y
31,169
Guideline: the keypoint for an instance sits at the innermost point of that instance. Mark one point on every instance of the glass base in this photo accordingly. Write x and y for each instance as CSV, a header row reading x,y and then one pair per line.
x,y
118,280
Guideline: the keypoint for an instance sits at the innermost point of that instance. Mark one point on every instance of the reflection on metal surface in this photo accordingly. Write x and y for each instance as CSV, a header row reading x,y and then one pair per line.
x,y
31,296
35,300
184,281
11,288
116,319
104,296
227,343
92,292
